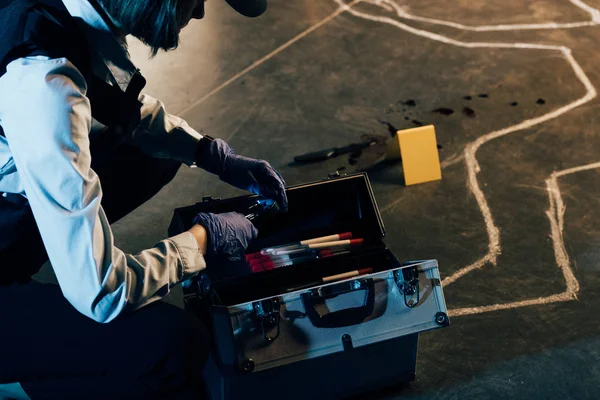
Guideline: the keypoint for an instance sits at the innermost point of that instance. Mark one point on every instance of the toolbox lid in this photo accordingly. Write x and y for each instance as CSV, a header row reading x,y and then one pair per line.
x,y
330,206
333,205
348,197
338,204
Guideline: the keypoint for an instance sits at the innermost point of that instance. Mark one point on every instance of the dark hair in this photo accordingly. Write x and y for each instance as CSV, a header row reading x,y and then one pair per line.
x,y
154,22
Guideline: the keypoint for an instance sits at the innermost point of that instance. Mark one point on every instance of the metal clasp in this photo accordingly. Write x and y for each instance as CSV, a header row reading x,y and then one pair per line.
x,y
267,313
407,280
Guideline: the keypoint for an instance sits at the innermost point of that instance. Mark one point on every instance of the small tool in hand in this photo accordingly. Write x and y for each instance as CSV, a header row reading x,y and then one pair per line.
x,y
262,209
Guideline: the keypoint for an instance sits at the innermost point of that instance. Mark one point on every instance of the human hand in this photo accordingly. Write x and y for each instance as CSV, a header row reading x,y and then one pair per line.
x,y
228,234
256,176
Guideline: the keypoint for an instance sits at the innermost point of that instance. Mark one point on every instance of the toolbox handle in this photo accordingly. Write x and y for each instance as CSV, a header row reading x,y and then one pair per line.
x,y
341,318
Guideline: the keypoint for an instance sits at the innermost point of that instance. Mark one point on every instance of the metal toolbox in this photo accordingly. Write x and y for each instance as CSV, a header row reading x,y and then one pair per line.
x,y
323,341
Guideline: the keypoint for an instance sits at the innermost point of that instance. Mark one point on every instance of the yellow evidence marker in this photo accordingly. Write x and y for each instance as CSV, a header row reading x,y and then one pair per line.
x,y
420,157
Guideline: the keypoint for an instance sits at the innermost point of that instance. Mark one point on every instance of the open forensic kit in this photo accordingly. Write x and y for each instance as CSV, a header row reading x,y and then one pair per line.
x,y
323,319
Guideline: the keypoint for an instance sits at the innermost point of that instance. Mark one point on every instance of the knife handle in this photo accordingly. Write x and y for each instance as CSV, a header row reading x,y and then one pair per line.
x,y
315,156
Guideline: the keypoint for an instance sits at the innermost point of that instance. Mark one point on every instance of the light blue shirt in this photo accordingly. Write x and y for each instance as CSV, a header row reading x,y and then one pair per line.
x,y
45,157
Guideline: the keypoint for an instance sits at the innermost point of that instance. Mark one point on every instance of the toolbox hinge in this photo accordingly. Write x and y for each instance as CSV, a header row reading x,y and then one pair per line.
x,y
207,199
335,175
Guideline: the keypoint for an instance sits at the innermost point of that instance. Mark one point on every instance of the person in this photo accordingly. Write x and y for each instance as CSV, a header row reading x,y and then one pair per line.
x,y
81,147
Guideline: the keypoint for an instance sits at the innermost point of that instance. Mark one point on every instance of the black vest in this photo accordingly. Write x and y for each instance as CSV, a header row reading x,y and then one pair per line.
x,y
44,27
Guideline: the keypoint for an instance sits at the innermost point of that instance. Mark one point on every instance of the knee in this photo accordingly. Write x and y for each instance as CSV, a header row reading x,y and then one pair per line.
x,y
184,339
178,347
195,342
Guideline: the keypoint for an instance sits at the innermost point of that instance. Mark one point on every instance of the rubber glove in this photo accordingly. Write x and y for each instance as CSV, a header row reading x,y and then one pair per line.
x,y
228,234
256,176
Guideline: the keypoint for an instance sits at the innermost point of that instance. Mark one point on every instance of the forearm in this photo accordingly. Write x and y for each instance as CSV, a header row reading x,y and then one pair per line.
x,y
200,235
47,131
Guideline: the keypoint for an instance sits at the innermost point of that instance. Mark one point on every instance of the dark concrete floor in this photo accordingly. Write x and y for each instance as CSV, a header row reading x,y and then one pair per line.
x,y
355,70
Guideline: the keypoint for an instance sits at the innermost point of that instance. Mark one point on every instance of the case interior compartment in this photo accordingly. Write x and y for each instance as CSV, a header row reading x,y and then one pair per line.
x,y
316,209
330,206
275,282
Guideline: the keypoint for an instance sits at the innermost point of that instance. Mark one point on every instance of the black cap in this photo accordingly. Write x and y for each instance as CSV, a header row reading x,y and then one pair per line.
x,y
249,8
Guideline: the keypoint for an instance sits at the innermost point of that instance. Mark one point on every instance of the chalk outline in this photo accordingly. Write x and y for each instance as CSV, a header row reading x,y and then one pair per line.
x,y
557,209
555,215
471,148
595,14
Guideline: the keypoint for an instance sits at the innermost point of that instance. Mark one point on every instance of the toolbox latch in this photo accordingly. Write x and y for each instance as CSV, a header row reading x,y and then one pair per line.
x,y
267,313
407,281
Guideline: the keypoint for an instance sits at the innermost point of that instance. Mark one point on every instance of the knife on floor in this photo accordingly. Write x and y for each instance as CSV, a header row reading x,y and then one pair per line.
x,y
326,154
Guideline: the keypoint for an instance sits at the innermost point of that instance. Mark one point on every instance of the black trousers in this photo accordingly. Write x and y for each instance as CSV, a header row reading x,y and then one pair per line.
x,y
55,352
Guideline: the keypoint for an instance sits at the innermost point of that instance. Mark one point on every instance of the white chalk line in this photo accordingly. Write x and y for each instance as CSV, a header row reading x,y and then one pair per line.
x,y
577,169
472,148
459,312
493,232
494,248
450,161
402,13
395,7
594,12
555,215
272,54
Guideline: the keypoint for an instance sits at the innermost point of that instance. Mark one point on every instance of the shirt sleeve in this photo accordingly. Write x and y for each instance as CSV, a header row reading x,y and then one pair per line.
x,y
46,118
163,135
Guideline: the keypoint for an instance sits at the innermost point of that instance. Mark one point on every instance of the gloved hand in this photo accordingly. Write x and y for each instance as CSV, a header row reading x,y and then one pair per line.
x,y
228,234
256,176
